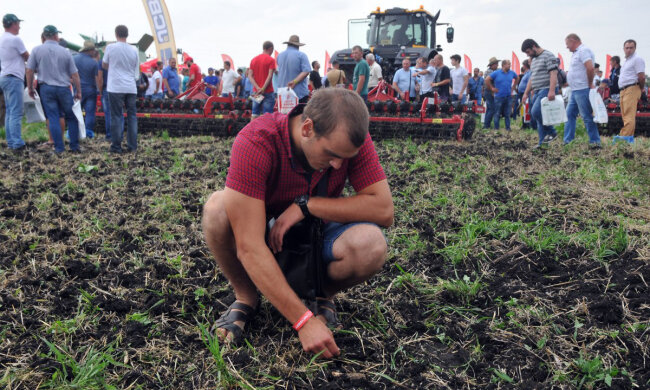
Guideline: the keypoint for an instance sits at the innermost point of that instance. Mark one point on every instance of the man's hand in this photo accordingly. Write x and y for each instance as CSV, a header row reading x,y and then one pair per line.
x,y
291,216
77,95
170,93
402,95
524,97
460,97
290,84
315,337
551,96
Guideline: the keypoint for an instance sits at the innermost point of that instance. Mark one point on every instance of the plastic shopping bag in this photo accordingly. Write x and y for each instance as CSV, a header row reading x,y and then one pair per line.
x,y
76,109
287,100
553,112
598,106
33,108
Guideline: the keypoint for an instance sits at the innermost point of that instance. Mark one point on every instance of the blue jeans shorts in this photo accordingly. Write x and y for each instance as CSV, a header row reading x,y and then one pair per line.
x,y
331,232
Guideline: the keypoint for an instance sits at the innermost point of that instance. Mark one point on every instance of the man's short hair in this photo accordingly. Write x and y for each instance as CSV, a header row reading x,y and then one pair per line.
x,y
226,63
503,62
528,44
335,62
121,31
596,65
455,57
630,41
573,37
357,47
313,63
370,56
267,45
526,64
617,59
329,108
158,63
422,59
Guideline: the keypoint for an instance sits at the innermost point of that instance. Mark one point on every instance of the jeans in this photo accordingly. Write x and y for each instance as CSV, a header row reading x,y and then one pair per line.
x,y
117,101
106,107
158,95
536,112
502,107
266,106
13,89
89,105
454,98
59,100
489,111
579,102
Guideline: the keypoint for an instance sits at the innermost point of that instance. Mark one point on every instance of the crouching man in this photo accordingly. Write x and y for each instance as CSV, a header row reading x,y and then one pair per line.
x,y
276,163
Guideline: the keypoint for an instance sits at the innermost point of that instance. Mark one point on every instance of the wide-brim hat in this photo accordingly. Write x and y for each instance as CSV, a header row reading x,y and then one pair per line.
x,y
294,40
88,46
493,61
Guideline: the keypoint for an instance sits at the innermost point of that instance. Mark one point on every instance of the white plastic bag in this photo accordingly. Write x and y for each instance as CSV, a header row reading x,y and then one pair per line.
x,y
76,108
287,100
598,106
553,112
33,108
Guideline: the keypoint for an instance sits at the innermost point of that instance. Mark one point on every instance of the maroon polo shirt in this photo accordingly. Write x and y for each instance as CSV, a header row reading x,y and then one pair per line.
x,y
262,165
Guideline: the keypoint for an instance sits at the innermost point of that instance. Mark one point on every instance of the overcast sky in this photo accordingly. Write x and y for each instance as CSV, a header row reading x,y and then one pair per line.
x,y
484,28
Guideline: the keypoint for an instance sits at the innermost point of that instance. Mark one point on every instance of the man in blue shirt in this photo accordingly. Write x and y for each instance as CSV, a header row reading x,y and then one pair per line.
x,y
500,83
293,69
171,80
88,73
523,82
404,81
212,80
475,87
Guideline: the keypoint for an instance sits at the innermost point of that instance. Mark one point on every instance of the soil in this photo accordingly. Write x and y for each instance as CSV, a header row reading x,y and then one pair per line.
x,y
113,258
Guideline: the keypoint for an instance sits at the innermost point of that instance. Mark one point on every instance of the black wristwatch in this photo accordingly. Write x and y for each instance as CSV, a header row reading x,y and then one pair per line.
x,y
301,201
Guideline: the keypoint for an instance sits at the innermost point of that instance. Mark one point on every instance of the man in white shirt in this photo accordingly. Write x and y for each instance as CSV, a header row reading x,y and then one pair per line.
x,y
427,74
459,80
121,59
580,78
155,83
375,71
229,79
631,83
13,56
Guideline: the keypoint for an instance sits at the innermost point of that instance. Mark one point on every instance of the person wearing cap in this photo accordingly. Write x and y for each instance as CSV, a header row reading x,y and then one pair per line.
x,y
55,68
493,64
293,68
195,73
121,59
13,55
631,83
213,80
90,83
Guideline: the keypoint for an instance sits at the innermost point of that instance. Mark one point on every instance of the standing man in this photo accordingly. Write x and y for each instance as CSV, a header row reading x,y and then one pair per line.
x,y
55,68
336,76
375,71
229,80
171,80
580,78
122,60
276,163
293,68
523,83
155,84
213,80
314,76
459,80
427,74
542,82
195,72
493,64
631,84
475,87
404,81
442,79
614,90
90,83
13,55
501,84
361,73
261,74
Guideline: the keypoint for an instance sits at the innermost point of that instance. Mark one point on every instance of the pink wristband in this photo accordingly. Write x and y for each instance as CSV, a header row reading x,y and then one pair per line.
x,y
303,320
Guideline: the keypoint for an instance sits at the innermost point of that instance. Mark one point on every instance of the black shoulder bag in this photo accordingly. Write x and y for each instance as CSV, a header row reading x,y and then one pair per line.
x,y
301,259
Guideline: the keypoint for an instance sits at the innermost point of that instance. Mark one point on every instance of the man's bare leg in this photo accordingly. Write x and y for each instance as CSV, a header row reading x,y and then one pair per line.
x,y
221,241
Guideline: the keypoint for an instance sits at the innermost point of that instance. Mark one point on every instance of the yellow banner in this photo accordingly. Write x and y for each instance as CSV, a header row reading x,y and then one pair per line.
x,y
161,28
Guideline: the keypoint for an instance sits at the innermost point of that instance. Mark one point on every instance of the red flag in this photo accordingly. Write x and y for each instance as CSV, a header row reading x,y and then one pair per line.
x,y
185,57
275,56
226,57
608,67
468,63
516,66
561,61
146,66
328,66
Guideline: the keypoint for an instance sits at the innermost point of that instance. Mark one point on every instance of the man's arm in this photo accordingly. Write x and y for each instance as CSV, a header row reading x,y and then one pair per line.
x,y
462,91
76,82
488,84
527,91
362,80
589,66
25,55
551,89
99,81
247,218
30,82
301,76
267,82
641,77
